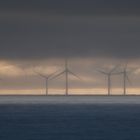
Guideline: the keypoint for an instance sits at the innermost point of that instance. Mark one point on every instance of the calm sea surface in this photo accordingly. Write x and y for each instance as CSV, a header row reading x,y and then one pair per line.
x,y
69,122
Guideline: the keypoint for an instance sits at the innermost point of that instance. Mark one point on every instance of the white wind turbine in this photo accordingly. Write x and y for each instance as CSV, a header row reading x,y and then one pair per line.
x,y
109,74
46,77
66,71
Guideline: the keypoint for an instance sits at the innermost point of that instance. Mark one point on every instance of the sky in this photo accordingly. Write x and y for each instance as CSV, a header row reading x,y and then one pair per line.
x,y
40,34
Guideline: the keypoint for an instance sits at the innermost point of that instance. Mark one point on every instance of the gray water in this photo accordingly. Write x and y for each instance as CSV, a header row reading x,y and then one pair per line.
x,y
69,121
70,99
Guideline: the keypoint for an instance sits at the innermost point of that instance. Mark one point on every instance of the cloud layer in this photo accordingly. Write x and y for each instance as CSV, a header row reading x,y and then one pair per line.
x,y
52,28
31,36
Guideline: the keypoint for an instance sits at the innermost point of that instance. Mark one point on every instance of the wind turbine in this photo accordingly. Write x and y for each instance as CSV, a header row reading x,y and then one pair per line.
x,y
108,74
66,71
47,78
124,73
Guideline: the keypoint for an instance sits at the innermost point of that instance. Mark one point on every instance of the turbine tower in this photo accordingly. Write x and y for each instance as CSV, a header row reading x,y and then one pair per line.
x,y
125,77
47,78
66,71
108,74
124,73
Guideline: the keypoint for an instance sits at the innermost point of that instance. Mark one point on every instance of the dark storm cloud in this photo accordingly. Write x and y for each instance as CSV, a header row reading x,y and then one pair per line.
x,y
75,6
52,28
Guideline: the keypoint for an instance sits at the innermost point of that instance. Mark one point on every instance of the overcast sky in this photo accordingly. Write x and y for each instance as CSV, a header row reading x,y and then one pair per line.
x,y
34,31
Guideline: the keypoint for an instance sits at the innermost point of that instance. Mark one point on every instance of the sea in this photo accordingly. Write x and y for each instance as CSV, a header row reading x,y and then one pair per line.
x,y
69,118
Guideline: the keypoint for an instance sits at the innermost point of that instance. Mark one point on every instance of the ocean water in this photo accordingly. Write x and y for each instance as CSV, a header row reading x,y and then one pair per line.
x,y
70,122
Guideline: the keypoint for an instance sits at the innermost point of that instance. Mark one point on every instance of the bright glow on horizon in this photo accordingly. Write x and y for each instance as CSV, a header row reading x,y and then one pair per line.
x,y
97,91
19,77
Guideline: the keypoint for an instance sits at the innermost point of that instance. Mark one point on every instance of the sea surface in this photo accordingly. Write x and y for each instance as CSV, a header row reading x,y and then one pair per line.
x,y
61,121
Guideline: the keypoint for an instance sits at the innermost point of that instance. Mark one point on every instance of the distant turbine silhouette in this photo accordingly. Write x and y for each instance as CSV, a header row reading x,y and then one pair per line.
x,y
125,78
109,74
66,72
47,78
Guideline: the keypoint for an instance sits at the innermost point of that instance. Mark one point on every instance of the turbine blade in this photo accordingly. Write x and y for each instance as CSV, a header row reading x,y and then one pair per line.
x,y
115,67
50,75
74,74
40,74
128,80
57,75
66,62
102,72
126,65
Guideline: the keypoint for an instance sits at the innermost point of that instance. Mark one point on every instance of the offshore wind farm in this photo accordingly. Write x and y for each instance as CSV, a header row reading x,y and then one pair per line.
x,y
69,70
69,77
